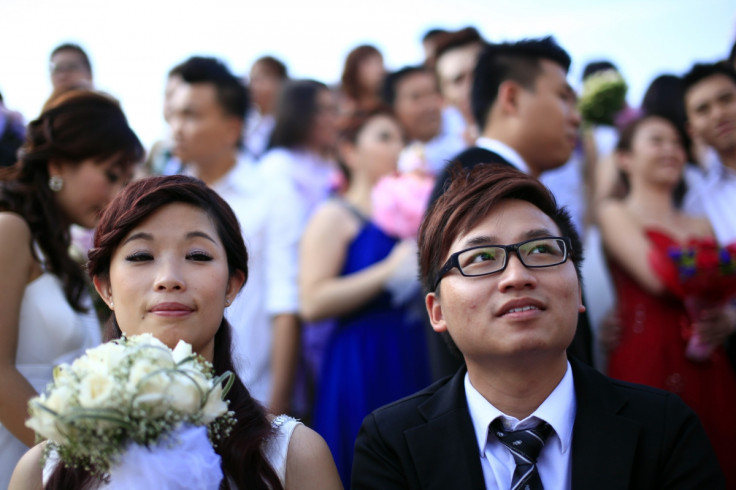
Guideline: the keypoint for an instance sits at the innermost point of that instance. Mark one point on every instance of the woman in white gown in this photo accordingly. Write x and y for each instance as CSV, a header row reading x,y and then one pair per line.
x,y
168,258
76,157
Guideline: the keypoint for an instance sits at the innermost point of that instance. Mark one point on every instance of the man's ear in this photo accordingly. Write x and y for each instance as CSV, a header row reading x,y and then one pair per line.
x,y
434,311
507,99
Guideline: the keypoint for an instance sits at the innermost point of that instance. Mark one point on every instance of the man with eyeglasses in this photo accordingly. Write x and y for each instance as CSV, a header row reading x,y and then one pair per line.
x,y
500,263
70,68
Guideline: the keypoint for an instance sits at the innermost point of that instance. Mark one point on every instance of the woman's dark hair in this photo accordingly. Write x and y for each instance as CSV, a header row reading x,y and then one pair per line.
x,y
351,83
665,97
243,460
625,142
296,110
80,125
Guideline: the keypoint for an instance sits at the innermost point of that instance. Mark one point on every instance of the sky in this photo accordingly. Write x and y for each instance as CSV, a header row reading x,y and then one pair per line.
x,y
133,44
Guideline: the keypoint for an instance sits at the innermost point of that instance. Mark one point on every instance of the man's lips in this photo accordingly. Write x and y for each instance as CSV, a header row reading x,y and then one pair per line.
x,y
171,309
520,306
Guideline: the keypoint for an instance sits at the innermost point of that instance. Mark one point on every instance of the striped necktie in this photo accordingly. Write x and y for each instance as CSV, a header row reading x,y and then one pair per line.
x,y
525,445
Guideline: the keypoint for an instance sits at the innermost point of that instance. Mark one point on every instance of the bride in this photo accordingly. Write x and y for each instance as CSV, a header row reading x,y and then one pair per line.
x,y
168,258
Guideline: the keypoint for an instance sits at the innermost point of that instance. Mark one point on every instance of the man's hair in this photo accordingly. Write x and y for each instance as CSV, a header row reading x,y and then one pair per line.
x,y
457,39
273,65
701,71
230,90
77,49
433,34
473,194
392,80
519,61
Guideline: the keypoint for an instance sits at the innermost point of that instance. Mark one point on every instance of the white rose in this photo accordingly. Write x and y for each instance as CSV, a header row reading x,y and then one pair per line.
x,y
42,421
107,356
97,389
215,405
185,394
181,351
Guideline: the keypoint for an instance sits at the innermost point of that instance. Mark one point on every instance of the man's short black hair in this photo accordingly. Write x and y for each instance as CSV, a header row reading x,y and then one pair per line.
x,y
392,80
517,61
77,49
701,71
231,92
433,34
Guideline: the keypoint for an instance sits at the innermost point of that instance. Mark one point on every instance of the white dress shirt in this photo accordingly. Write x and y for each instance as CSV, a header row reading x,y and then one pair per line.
x,y
271,229
713,194
505,151
312,178
554,462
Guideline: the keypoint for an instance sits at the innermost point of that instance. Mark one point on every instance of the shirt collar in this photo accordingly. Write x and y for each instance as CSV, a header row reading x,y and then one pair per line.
x,y
505,151
558,410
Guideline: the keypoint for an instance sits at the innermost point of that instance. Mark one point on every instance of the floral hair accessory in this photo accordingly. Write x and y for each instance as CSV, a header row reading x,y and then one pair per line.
x,y
132,391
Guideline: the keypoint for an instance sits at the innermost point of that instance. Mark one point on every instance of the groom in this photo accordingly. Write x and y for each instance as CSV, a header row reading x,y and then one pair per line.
x,y
501,266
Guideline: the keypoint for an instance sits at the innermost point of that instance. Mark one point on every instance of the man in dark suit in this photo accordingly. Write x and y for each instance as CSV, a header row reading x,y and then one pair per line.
x,y
501,266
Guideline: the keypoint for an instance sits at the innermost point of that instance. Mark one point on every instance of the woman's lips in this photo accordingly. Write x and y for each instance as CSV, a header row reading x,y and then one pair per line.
x,y
171,309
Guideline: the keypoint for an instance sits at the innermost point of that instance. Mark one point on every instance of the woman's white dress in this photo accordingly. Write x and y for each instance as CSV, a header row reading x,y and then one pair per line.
x,y
50,332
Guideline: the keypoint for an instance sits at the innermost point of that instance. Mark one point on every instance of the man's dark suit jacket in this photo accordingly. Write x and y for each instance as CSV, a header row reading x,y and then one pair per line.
x,y
625,436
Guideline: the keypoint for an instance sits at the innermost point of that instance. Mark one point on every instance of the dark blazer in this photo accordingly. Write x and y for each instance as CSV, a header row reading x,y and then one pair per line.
x,y
625,436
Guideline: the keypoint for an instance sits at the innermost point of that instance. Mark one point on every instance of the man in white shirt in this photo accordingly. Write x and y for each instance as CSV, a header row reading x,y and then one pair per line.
x,y
413,95
710,104
500,263
208,110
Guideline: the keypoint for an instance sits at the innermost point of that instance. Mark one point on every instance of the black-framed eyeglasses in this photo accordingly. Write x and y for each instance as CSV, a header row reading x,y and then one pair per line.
x,y
489,259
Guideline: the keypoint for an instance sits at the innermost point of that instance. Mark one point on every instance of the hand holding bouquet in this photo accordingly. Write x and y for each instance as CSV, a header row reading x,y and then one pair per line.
x,y
704,276
128,394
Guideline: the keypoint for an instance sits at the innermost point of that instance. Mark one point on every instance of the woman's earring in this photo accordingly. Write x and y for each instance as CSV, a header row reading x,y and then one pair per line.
x,y
227,301
112,304
56,183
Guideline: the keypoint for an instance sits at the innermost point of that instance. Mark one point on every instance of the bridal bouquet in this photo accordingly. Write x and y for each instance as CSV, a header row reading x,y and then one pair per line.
x,y
602,97
703,274
128,398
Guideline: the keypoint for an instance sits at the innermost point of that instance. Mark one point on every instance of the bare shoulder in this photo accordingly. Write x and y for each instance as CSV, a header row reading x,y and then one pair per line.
x,y
334,219
28,474
15,224
309,463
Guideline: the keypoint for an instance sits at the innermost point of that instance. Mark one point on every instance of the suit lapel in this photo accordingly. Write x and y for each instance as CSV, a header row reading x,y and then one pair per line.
x,y
602,443
445,450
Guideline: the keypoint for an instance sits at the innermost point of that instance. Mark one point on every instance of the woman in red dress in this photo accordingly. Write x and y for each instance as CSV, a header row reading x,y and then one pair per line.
x,y
637,231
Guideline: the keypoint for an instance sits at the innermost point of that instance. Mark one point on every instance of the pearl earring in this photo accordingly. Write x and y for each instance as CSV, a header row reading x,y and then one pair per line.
x,y
56,183
227,301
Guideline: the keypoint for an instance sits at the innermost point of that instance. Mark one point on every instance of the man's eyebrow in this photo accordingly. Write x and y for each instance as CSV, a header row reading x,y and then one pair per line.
x,y
494,240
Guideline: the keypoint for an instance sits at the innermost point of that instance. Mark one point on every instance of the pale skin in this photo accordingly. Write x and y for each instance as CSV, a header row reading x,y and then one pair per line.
x,y
176,258
19,269
323,292
654,166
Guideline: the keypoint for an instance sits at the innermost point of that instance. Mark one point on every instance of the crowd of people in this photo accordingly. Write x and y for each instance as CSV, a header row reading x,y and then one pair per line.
x,y
295,282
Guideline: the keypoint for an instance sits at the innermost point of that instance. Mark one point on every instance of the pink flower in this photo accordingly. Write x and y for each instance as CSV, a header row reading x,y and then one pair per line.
x,y
399,201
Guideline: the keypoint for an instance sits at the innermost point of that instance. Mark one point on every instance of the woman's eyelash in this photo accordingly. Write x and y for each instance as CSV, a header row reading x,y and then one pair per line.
x,y
139,257
199,256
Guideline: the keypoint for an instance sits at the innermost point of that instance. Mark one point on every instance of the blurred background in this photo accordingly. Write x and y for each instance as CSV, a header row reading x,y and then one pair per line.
x,y
133,44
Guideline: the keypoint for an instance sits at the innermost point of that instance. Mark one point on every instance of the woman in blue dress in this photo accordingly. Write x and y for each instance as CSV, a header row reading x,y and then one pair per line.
x,y
377,351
